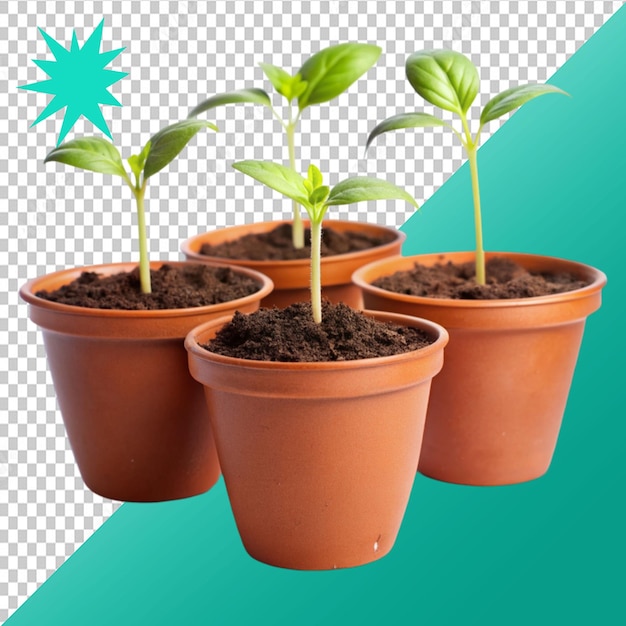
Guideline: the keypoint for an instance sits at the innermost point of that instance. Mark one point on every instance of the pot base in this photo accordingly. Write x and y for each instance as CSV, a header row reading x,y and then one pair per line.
x,y
307,562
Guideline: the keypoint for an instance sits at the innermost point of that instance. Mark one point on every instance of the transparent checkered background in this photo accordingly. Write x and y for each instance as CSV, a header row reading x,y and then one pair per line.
x,y
179,53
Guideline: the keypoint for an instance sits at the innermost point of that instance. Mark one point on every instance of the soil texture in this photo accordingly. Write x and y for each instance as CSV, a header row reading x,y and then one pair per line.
x,y
292,335
173,287
276,245
505,280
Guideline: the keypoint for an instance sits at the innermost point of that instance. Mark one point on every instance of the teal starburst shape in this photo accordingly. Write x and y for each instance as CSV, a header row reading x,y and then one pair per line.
x,y
78,81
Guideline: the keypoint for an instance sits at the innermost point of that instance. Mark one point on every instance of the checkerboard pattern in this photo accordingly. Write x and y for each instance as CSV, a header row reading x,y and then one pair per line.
x,y
54,217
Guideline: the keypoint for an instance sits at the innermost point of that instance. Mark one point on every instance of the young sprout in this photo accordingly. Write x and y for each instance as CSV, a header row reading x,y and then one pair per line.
x,y
315,197
323,77
450,81
99,155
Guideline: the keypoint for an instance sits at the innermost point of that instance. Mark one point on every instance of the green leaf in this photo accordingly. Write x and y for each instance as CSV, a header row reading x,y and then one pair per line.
x,y
444,78
255,96
138,161
315,176
298,86
332,70
278,177
319,195
168,143
282,81
513,98
90,153
405,120
360,188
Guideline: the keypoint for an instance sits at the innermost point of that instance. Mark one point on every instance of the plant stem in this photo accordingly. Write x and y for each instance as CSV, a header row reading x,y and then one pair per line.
x,y
480,253
297,228
144,262
316,282
472,149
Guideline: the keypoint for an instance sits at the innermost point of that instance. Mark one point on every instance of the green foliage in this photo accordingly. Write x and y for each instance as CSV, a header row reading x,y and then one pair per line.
x,y
331,71
255,96
99,155
316,197
138,161
444,78
450,81
362,188
285,84
278,177
167,144
513,98
405,120
90,153
324,76
313,195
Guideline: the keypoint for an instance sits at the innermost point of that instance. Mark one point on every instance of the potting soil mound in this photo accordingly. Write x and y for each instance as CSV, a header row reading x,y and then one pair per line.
x,y
505,280
173,287
276,245
291,334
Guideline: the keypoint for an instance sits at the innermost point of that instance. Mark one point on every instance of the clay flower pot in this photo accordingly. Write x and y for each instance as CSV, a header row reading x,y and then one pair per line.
x,y
496,408
292,278
136,420
318,458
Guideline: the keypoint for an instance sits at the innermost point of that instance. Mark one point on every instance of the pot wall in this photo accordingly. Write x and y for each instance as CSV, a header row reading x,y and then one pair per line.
x,y
496,408
318,458
292,278
136,420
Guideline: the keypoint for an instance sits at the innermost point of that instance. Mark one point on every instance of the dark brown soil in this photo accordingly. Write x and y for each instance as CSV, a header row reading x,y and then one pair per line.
x,y
276,245
505,280
291,335
191,285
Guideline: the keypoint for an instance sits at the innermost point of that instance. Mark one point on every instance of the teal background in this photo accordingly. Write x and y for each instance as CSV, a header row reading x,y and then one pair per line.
x,y
551,551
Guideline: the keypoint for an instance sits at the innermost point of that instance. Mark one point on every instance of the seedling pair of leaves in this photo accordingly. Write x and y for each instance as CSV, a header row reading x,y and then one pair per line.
x,y
99,155
315,197
324,76
450,81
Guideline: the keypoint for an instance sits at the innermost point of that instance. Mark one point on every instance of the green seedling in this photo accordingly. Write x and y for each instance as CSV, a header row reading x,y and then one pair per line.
x,y
315,197
324,76
450,81
99,155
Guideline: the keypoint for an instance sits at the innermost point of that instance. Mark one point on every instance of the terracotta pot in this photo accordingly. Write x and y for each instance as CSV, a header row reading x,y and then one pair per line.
x,y
496,408
318,458
136,420
292,278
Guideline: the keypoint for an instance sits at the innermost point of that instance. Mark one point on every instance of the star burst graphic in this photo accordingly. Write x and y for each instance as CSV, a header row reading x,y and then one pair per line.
x,y
78,81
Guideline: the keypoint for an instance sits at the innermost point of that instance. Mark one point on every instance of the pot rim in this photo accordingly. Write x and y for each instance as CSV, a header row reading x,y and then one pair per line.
x,y
27,292
193,346
599,279
400,237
